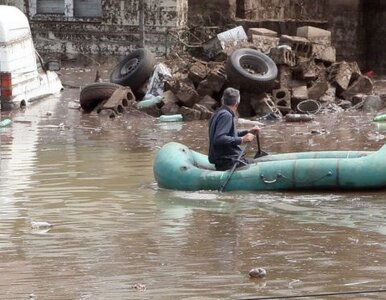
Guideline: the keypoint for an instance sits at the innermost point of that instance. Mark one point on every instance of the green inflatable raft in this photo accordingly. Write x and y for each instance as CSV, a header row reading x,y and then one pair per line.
x,y
179,168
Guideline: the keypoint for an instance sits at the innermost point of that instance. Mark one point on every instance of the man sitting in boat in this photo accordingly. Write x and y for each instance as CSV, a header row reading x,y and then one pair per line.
x,y
224,139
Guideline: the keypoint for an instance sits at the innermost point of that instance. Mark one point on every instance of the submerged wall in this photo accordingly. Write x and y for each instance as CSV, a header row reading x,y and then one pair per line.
x,y
116,31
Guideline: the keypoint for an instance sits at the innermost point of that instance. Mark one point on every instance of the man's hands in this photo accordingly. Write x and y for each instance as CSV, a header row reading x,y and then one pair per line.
x,y
254,130
249,137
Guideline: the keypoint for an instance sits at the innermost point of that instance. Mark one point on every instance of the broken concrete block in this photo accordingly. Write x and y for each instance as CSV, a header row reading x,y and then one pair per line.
x,y
356,71
197,73
362,85
300,93
262,104
170,106
315,35
340,74
282,99
208,102
317,90
185,91
301,46
264,43
190,114
205,112
110,113
306,69
284,76
119,101
216,79
261,31
204,88
329,96
283,56
188,96
324,53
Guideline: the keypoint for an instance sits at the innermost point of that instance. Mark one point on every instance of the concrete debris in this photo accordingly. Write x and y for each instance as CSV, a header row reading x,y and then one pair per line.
x,y
317,90
264,43
197,73
261,31
283,56
315,35
362,85
324,53
191,83
300,93
328,96
282,100
301,46
340,74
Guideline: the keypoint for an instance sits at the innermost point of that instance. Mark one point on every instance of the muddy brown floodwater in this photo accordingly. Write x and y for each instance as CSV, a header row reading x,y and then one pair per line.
x,y
116,235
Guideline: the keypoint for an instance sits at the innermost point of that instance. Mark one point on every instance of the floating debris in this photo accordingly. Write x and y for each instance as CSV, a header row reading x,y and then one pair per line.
x,y
5,122
139,286
40,227
257,273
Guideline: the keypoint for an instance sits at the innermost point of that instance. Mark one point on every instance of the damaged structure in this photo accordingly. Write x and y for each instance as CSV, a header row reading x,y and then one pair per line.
x,y
115,27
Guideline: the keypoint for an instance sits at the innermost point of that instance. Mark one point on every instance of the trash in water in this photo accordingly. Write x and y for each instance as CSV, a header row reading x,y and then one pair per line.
x,y
257,273
40,227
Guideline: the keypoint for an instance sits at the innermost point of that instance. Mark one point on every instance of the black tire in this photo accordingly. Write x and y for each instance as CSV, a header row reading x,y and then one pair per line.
x,y
93,94
134,69
251,70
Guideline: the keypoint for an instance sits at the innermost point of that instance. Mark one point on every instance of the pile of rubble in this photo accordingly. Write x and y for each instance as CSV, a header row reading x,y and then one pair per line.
x,y
307,71
308,80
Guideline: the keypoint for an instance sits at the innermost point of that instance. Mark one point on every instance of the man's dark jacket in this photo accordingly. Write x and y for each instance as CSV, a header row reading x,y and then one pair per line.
x,y
224,140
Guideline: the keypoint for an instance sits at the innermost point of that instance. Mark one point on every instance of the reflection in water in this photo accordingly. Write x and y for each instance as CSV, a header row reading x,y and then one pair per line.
x,y
115,230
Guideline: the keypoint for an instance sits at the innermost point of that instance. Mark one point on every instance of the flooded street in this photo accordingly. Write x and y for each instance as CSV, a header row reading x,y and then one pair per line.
x,y
116,235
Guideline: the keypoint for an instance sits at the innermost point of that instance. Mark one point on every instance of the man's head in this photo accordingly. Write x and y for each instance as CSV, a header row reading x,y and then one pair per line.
x,y
231,97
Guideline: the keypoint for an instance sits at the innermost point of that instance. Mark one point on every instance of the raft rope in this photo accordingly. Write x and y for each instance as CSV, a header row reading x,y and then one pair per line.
x,y
279,175
319,295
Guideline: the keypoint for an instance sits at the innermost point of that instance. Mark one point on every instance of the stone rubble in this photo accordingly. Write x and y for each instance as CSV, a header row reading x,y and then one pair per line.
x,y
307,70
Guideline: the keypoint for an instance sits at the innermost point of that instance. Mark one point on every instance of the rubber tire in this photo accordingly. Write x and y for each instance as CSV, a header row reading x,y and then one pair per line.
x,y
140,63
93,94
236,72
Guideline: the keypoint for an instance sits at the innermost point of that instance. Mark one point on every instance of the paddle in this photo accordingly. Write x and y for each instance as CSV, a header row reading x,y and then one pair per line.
x,y
259,152
234,168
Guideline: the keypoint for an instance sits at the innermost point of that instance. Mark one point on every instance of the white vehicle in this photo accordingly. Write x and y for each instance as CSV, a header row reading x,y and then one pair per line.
x,y
23,75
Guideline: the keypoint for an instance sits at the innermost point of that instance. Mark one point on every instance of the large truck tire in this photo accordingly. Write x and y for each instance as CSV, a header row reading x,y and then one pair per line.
x,y
134,69
93,94
251,70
